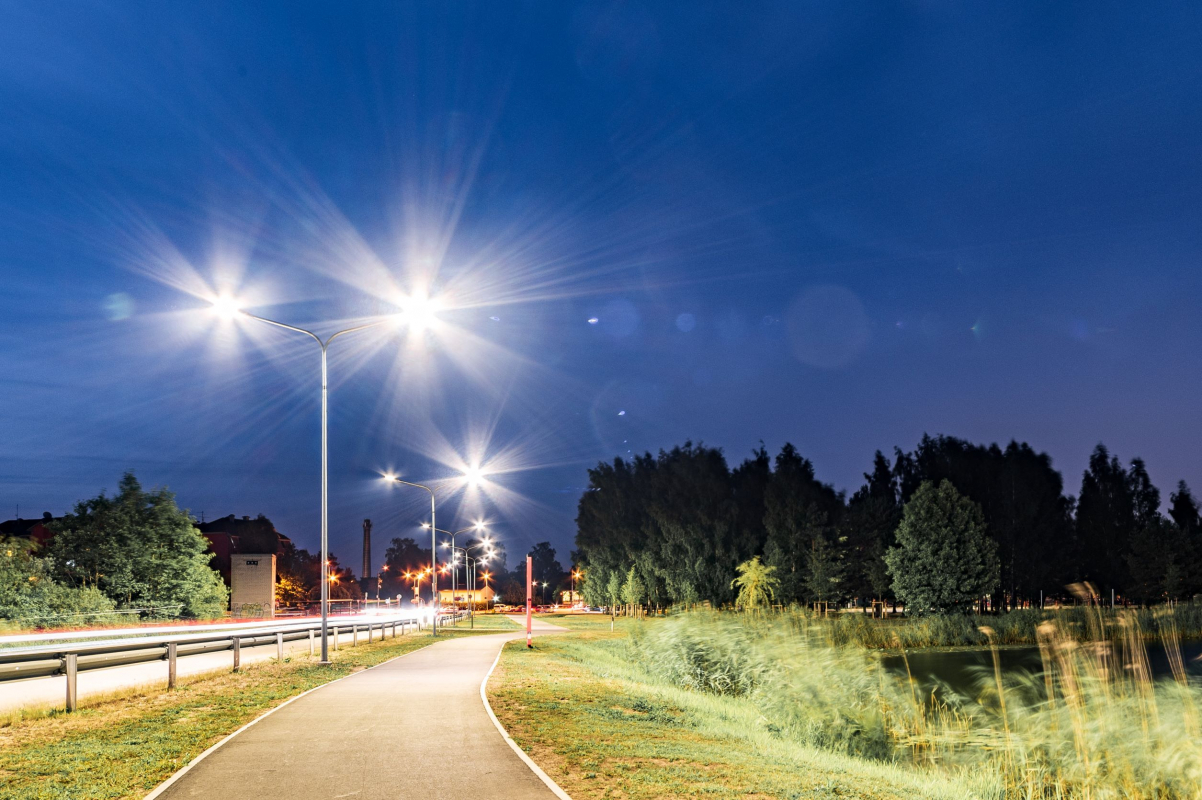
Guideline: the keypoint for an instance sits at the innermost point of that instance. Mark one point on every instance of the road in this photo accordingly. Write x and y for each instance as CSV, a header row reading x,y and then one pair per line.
x,y
43,692
413,727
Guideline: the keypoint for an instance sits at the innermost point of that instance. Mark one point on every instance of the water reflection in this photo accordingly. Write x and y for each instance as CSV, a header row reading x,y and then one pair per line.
x,y
963,669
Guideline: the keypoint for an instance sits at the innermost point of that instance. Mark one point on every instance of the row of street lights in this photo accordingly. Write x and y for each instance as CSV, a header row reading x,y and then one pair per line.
x,y
419,312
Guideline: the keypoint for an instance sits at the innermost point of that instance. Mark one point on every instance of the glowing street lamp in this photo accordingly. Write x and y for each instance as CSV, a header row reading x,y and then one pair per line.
x,y
433,551
478,526
423,309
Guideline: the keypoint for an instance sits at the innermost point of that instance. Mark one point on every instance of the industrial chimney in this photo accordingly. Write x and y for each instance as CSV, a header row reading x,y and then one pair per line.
x,y
366,573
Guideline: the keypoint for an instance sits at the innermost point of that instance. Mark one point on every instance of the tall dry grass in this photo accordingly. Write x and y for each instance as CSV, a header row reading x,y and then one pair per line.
x,y
1094,723
1080,623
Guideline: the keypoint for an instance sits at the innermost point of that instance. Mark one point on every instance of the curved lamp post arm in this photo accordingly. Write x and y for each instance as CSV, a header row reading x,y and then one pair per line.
x,y
433,555
325,528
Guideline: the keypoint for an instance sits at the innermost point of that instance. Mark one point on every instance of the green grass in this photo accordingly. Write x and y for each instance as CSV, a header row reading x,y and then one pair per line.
x,y
123,748
601,728
588,622
486,622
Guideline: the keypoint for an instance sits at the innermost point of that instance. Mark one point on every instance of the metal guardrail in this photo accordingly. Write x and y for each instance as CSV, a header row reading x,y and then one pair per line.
x,y
71,658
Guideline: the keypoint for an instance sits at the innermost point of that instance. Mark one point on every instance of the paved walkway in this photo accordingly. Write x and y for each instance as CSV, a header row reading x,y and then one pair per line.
x,y
413,727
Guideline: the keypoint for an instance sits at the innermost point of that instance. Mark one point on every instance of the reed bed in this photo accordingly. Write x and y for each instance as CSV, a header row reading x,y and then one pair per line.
x,y
1093,723
1079,623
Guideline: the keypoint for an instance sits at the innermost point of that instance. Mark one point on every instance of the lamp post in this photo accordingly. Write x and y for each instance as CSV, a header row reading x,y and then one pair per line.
x,y
478,526
229,308
487,556
433,551
575,576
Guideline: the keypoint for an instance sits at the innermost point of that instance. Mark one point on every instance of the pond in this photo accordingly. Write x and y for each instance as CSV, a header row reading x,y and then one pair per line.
x,y
962,668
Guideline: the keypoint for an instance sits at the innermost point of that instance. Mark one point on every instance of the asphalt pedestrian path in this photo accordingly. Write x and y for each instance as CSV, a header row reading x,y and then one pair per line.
x,y
412,727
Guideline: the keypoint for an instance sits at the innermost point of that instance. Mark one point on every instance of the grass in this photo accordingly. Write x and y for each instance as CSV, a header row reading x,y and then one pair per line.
x,y
602,728
736,705
486,622
588,622
124,747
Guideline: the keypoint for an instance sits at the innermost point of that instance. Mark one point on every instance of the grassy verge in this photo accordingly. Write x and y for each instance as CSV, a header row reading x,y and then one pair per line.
x,y
486,622
600,731
123,748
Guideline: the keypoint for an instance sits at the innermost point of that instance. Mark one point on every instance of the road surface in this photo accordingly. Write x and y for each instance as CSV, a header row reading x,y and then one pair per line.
x,y
413,727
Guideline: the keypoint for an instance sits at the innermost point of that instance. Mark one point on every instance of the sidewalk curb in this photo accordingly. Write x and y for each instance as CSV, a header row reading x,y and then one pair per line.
x,y
535,768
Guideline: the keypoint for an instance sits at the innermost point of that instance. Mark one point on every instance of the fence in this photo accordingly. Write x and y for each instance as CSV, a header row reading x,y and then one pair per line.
x,y
70,658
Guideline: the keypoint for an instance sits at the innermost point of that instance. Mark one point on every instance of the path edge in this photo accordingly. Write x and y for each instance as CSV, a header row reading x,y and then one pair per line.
x,y
535,768
165,785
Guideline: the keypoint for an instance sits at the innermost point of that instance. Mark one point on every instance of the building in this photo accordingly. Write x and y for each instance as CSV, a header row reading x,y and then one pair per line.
x,y
463,596
35,530
229,536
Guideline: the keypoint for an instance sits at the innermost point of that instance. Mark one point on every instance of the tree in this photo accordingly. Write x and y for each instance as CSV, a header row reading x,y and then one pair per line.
x,y
141,551
30,596
943,561
1157,562
873,514
592,586
693,548
825,571
797,510
404,555
1184,511
1021,497
757,584
613,591
289,590
1106,520
632,590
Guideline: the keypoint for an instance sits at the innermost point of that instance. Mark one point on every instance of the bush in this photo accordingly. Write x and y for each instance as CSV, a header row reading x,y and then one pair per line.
x,y
30,598
810,691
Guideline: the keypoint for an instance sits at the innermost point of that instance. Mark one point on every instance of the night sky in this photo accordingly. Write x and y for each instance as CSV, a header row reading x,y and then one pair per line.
x,y
836,224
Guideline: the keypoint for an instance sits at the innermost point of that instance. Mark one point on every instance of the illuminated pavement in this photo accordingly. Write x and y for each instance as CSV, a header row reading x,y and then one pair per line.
x,y
414,727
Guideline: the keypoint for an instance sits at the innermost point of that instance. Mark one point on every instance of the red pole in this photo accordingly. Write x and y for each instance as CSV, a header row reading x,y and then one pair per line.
x,y
529,608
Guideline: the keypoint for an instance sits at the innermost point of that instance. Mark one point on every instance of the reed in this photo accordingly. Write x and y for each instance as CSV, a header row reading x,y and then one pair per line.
x,y
1080,623
1094,723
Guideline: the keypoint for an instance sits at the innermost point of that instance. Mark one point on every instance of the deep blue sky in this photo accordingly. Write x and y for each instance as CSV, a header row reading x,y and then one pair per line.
x,y
837,224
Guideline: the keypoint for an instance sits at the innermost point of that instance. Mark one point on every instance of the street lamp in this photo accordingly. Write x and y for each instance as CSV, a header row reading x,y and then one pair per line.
x,y
433,551
416,309
575,577
478,526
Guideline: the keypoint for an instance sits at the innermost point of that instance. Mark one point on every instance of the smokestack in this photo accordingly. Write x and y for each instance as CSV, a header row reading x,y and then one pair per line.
x,y
366,573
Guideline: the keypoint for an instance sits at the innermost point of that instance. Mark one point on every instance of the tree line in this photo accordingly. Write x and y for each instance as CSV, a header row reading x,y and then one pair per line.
x,y
679,523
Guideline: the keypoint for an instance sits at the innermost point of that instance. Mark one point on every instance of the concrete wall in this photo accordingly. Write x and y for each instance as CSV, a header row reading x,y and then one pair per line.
x,y
252,585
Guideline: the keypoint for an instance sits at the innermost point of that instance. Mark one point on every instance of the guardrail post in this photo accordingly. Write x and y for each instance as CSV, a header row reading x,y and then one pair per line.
x,y
310,642
279,647
237,645
335,637
370,628
172,654
71,668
